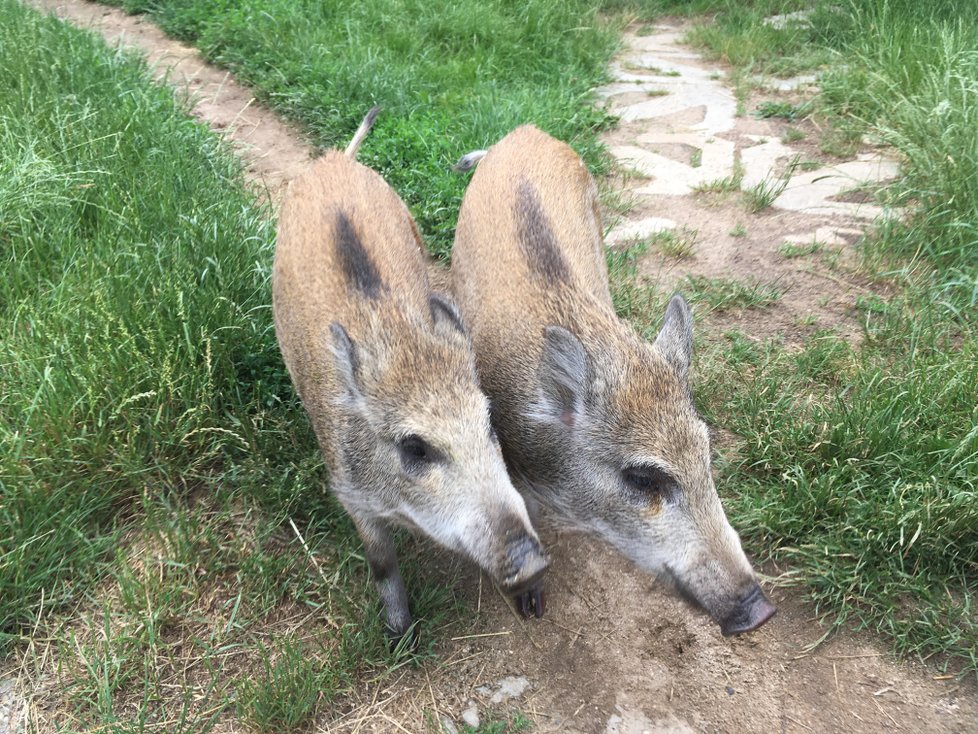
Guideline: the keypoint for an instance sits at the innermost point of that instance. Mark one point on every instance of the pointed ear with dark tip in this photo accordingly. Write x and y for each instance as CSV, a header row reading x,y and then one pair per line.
x,y
346,358
675,339
445,316
563,376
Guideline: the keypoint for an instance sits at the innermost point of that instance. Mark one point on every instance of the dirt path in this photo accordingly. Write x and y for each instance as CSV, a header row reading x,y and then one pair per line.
x,y
273,150
614,654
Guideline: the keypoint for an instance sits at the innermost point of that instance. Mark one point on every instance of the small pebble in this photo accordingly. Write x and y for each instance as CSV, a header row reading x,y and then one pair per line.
x,y
471,716
730,691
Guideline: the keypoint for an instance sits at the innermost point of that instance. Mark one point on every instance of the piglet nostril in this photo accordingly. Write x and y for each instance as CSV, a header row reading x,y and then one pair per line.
x,y
752,610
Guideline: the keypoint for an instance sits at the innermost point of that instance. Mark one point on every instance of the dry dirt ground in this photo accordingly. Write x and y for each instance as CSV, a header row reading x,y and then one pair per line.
x,y
614,653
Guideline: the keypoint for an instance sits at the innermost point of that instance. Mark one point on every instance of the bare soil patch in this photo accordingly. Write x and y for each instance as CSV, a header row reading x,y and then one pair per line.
x,y
616,652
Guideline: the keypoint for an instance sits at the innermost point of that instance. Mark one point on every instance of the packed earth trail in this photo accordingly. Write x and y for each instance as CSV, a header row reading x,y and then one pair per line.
x,y
616,653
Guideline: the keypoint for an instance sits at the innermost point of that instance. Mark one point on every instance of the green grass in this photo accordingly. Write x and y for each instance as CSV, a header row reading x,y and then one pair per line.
x,y
739,34
136,348
679,243
283,697
869,488
783,110
792,135
451,77
859,468
724,294
152,452
725,184
923,103
633,298
762,194
798,249
512,724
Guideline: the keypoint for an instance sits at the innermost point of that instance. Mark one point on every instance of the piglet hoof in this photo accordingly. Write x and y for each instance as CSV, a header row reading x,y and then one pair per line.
x,y
402,641
531,602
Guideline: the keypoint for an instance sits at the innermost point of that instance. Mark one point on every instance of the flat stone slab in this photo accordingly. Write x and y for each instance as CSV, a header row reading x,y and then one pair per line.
x,y
676,101
825,236
668,176
812,191
760,161
639,229
11,708
790,84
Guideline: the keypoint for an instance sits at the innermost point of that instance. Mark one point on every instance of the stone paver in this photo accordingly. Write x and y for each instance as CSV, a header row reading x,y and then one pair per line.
x,y
683,134
11,708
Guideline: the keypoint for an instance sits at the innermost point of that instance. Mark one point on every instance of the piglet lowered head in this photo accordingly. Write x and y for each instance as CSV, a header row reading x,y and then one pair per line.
x,y
385,369
596,424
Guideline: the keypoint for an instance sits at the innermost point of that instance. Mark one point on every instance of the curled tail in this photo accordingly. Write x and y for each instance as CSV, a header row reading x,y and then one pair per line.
x,y
361,133
469,161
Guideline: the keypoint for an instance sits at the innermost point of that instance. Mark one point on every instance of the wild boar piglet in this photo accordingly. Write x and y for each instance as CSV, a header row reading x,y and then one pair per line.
x,y
385,370
596,423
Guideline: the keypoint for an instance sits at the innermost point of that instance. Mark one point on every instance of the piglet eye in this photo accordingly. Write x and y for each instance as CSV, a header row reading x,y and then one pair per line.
x,y
417,455
414,448
647,479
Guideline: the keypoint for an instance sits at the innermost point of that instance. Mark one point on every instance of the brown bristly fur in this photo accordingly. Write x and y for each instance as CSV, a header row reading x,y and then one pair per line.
x,y
596,424
385,370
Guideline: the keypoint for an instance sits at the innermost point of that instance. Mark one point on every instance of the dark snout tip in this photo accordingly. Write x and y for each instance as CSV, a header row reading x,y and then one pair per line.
x,y
752,611
526,563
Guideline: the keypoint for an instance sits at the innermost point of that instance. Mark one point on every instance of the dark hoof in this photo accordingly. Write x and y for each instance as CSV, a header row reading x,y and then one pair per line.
x,y
532,602
402,641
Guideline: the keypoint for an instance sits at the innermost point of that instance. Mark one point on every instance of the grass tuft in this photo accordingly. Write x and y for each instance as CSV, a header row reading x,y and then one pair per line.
x,y
284,697
677,243
783,110
794,249
763,194
722,294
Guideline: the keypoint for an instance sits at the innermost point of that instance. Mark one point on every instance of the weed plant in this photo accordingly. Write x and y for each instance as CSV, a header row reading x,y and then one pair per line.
x,y
762,194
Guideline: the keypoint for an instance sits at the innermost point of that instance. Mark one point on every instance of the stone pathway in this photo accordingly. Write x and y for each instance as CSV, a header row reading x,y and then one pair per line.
x,y
682,132
680,135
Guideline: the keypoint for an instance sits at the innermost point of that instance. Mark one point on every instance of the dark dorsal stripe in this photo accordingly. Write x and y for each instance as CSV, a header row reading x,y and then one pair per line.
x,y
536,238
359,269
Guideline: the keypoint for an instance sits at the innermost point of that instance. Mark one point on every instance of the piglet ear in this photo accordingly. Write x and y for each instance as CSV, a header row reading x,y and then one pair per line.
x,y
445,317
675,339
346,359
563,376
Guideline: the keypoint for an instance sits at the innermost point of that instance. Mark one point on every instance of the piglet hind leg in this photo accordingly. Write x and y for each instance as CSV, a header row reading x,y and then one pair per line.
x,y
378,543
